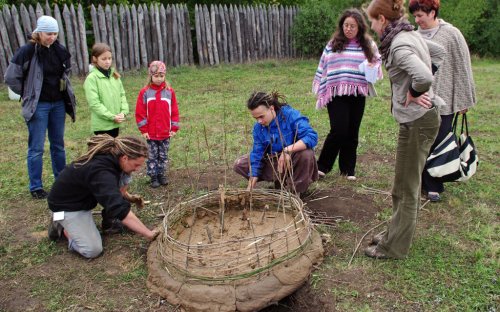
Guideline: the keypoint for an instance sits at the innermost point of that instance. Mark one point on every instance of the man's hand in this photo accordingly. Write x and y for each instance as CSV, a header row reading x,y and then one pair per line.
x,y
284,162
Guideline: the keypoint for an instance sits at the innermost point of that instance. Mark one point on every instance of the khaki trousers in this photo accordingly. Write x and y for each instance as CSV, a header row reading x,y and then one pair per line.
x,y
414,142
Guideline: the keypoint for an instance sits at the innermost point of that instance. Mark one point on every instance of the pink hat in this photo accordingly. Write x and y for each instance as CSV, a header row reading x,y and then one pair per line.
x,y
157,67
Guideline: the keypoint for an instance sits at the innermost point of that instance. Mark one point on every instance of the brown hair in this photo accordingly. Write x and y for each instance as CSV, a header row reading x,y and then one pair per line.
x,y
99,48
391,9
35,38
425,6
267,99
339,40
132,147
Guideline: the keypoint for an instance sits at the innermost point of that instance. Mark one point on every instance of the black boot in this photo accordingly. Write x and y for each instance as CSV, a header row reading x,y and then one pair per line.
x,y
154,182
163,179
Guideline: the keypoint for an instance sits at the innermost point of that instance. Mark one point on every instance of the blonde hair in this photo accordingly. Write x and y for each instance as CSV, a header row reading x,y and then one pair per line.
x,y
99,48
132,147
390,9
35,38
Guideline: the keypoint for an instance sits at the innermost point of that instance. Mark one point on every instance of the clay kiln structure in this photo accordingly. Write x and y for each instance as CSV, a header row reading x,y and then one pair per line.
x,y
232,250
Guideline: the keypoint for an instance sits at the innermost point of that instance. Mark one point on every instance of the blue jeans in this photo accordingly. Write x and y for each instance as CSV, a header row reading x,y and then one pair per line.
x,y
48,116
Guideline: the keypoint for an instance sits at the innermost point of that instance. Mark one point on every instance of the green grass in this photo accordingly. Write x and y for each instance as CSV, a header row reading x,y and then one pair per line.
x,y
454,261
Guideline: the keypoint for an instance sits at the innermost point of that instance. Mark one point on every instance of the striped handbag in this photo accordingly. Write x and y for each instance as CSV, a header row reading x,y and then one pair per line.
x,y
454,159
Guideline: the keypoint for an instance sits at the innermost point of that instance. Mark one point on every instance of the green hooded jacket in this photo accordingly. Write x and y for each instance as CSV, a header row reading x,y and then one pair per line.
x,y
106,99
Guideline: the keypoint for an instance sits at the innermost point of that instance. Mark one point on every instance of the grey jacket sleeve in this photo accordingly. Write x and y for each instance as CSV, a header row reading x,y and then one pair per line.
x,y
437,53
14,77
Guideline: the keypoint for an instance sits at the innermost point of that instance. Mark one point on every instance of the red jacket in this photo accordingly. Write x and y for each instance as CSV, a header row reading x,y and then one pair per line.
x,y
156,111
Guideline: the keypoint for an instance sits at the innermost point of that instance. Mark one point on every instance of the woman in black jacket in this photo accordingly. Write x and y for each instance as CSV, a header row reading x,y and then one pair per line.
x,y
39,72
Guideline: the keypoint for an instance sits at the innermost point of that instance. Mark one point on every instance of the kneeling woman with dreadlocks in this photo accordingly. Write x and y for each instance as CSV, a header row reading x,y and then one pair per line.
x,y
283,143
94,178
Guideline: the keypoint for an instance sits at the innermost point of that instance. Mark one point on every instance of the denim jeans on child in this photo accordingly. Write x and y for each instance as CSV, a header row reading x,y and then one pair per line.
x,y
48,116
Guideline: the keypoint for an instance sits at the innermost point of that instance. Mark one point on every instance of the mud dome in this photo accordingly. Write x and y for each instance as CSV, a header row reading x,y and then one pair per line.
x,y
230,250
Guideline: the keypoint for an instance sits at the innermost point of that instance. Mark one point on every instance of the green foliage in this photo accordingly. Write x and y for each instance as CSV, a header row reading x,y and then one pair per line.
x,y
316,22
479,22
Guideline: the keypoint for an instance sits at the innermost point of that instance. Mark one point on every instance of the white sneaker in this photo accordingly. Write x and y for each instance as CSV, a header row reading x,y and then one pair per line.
x,y
351,178
321,174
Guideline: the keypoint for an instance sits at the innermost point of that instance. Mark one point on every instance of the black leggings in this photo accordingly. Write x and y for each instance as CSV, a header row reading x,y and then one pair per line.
x,y
113,132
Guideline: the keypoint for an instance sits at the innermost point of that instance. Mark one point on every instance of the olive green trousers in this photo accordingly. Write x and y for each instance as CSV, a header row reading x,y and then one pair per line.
x,y
414,142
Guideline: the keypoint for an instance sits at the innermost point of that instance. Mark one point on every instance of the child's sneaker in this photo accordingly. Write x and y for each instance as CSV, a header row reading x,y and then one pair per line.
x,y
55,231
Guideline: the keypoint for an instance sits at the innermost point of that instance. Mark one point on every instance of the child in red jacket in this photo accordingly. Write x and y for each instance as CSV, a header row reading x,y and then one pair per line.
x,y
157,116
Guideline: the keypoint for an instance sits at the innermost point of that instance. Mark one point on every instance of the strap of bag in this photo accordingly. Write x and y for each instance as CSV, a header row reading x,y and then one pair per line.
x,y
454,127
464,121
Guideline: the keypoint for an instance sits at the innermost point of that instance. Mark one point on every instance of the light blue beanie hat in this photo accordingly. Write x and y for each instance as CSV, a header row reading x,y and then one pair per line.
x,y
47,24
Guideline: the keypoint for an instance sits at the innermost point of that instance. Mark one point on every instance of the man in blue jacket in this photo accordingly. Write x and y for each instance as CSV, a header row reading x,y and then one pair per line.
x,y
283,145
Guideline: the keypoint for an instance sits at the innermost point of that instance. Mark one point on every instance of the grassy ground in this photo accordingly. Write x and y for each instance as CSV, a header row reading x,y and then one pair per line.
x,y
453,264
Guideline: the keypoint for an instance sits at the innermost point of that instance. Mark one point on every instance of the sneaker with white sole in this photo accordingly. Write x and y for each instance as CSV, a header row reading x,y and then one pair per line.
x,y
351,178
321,174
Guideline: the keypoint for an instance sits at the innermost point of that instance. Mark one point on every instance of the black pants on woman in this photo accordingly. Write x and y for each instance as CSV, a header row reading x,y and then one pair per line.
x,y
345,114
430,184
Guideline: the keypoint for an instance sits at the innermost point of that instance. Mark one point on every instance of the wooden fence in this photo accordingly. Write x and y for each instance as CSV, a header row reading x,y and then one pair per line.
x,y
242,33
139,34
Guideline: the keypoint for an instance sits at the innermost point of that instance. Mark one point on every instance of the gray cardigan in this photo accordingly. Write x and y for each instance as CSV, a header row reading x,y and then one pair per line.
x,y
453,82
409,65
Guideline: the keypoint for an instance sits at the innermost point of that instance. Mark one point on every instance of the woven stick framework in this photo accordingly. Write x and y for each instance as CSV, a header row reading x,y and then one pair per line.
x,y
273,228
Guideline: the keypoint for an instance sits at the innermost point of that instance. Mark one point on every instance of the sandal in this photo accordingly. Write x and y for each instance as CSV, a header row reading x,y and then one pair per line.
x,y
372,252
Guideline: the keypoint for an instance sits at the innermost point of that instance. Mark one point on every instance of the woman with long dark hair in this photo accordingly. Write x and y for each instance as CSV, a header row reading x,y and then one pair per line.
x,y
341,86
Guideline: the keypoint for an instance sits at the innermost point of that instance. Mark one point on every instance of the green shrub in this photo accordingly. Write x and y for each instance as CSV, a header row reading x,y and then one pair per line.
x,y
316,22
479,22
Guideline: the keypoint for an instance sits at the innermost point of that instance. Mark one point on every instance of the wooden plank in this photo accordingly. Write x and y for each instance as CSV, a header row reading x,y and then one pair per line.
x,y
158,36
95,24
142,39
225,48
170,36
130,37
238,34
218,32
70,38
255,34
78,49
135,42
214,34
123,37
189,38
154,35
62,34
265,31
175,36
83,39
270,31
294,47
249,34
118,47
201,61
101,16
286,29
229,38
38,10
282,30
33,17
148,40
48,11
208,32
180,33
243,35
109,29
203,36
5,52
163,33
17,26
25,20
11,31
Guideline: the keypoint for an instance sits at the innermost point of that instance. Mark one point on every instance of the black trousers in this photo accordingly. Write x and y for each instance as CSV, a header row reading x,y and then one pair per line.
x,y
345,114
429,184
